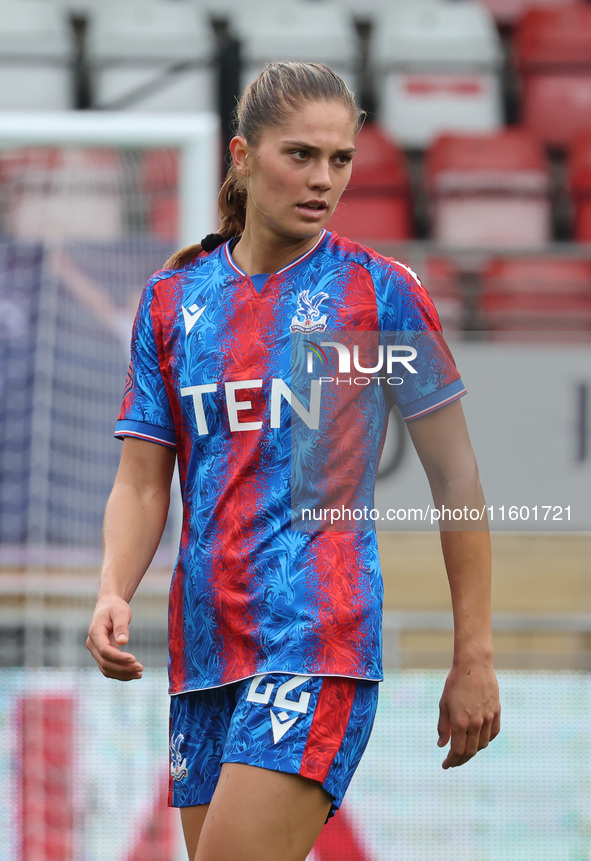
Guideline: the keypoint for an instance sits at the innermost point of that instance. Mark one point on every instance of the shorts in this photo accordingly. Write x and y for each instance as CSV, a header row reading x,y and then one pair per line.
x,y
315,726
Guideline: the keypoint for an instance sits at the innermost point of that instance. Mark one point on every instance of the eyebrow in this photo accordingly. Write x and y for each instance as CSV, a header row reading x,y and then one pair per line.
x,y
303,145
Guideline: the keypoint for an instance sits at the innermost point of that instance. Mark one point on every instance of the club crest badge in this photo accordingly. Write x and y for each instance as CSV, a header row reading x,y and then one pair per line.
x,y
308,317
178,764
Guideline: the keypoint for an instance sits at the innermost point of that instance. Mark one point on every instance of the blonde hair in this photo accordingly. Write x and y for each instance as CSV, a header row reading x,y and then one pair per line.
x,y
266,103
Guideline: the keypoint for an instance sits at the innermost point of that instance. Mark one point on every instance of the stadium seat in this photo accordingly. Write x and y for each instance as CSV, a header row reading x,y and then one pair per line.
x,y
437,65
375,206
35,56
62,193
537,295
489,190
377,203
159,172
151,55
442,280
507,12
321,32
580,185
553,50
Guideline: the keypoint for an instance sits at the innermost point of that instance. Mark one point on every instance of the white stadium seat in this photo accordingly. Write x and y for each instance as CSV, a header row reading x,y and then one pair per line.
x,y
321,32
35,56
132,44
438,69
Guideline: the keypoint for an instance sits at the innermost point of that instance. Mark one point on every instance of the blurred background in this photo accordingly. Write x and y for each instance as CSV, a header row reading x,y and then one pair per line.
x,y
473,168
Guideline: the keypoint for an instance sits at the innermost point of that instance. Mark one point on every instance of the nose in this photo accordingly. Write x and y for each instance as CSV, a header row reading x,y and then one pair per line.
x,y
320,176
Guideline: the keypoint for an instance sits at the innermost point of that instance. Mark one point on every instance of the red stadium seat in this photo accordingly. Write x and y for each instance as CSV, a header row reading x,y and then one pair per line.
x,y
553,50
55,193
489,189
580,184
507,12
164,217
537,295
442,279
377,203
159,175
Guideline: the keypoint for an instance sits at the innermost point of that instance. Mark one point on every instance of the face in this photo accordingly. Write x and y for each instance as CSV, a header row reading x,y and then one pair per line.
x,y
298,171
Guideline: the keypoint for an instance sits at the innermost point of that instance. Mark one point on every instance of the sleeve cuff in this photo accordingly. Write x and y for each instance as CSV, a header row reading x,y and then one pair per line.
x,y
434,401
142,430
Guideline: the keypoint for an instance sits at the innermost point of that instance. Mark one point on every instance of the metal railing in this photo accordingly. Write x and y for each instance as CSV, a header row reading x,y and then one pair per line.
x,y
44,620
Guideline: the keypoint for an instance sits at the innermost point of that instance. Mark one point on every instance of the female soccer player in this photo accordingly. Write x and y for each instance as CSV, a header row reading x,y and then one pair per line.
x,y
275,623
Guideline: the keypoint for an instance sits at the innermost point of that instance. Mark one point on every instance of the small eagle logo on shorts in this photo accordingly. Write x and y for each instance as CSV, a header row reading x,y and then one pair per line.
x,y
178,765
308,308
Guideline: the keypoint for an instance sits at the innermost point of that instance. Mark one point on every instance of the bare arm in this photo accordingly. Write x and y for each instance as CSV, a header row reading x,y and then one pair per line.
x,y
134,521
469,707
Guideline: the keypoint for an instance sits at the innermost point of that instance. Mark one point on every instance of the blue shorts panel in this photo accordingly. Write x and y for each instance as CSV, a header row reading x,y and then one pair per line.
x,y
314,726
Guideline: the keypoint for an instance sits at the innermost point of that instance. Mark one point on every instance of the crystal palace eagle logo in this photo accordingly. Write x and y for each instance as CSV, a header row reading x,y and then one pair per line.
x,y
309,319
178,763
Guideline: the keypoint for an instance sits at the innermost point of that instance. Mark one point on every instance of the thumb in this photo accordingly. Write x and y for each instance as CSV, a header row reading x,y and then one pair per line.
x,y
121,627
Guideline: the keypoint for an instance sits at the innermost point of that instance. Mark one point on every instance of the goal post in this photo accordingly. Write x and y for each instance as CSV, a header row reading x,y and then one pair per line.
x,y
77,241
196,137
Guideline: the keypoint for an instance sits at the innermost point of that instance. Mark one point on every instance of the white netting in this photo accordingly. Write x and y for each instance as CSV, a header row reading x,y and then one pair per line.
x,y
78,243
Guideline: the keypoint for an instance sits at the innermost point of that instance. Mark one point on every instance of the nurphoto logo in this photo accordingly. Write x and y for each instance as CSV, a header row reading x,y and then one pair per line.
x,y
394,355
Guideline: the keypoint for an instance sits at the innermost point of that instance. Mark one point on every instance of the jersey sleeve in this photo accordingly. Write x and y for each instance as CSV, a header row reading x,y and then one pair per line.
x,y
145,411
410,321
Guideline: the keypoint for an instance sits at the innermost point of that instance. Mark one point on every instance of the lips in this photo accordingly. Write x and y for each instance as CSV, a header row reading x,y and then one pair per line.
x,y
313,208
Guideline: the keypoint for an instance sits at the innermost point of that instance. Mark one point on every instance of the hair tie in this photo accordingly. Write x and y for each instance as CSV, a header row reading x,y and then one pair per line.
x,y
211,241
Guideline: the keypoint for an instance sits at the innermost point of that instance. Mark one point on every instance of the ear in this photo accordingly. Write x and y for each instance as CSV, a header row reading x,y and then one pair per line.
x,y
239,152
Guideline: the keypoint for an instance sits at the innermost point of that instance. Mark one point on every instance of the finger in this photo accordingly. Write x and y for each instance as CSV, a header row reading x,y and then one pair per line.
x,y
111,672
103,651
453,759
484,738
472,741
485,733
125,670
495,726
106,654
116,668
443,727
457,750
467,743
115,658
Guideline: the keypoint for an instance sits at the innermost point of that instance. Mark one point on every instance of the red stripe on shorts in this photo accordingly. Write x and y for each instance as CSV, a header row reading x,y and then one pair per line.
x,y
329,724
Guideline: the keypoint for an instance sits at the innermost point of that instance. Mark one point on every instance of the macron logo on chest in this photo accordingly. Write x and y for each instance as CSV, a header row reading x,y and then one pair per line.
x,y
191,315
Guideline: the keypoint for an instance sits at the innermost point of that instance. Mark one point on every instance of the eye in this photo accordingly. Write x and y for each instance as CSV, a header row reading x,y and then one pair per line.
x,y
300,154
343,159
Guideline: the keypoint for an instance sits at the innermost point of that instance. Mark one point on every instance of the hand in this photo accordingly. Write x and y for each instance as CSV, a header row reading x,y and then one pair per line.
x,y
109,630
469,712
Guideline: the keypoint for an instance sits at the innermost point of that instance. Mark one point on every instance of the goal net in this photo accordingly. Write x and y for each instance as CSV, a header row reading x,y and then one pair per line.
x,y
90,206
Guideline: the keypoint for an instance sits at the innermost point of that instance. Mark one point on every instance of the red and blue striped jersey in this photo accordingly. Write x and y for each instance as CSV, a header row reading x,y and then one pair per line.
x,y
212,375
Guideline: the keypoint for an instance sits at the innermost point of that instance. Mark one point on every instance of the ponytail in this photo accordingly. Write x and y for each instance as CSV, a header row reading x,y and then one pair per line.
x,y
232,210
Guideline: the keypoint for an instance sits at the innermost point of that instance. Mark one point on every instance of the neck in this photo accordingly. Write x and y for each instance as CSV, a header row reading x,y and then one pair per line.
x,y
257,255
